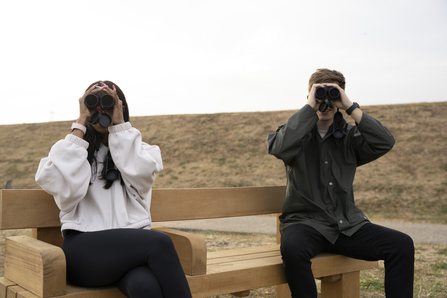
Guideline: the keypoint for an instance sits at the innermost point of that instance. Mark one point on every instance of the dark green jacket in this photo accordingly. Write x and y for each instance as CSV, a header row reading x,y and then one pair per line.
x,y
320,172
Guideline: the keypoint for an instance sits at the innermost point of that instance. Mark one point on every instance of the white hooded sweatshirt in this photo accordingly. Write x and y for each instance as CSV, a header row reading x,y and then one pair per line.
x,y
79,193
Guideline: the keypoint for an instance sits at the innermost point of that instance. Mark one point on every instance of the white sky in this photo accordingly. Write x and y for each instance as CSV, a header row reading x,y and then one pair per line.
x,y
187,57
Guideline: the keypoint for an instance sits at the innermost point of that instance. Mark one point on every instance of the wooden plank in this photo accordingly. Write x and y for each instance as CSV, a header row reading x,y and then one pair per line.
x,y
27,208
240,265
23,209
13,291
204,203
104,292
326,264
35,265
241,294
49,235
4,284
80,292
26,295
240,255
255,256
242,251
283,291
322,266
345,287
213,284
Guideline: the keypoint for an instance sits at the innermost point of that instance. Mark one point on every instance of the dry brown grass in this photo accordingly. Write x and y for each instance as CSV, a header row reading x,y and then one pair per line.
x,y
229,150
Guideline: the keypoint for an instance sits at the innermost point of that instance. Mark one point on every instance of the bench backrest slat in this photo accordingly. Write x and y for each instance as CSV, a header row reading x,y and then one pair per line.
x,y
204,203
22,209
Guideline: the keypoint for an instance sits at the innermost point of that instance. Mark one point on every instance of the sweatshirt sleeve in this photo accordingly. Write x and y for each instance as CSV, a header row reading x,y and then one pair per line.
x,y
66,173
137,161
288,137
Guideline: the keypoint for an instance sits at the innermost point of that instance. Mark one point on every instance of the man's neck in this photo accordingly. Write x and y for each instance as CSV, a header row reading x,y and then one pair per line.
x,y
325,124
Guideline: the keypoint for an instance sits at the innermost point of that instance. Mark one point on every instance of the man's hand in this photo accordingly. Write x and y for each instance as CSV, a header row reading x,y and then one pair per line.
x,y
311,99
345,103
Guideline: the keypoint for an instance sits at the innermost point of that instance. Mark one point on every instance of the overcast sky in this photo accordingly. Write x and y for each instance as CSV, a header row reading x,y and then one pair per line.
x,y
188,57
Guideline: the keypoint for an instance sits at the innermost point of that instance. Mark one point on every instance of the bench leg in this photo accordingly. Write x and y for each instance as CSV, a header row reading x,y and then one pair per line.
x,y
346,285
283,291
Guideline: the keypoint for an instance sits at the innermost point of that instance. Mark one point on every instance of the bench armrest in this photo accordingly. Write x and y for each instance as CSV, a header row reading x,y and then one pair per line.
x,y
35,265
190,248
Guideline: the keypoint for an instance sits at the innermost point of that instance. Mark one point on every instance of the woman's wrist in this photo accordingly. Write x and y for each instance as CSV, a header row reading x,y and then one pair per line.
x,y
78,130
82,120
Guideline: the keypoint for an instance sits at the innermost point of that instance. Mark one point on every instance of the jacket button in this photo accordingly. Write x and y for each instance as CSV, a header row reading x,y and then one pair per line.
x,y
341,221
330,183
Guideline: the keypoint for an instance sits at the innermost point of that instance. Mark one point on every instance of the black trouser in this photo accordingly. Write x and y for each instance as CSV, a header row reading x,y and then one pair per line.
x,y
300,243
143,263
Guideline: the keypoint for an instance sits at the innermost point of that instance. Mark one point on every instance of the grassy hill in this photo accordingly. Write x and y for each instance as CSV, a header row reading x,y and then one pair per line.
x,y
229,150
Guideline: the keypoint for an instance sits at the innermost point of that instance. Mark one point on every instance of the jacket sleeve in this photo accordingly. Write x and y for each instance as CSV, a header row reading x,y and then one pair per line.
x,y
284,143
137,161
374,140
66,173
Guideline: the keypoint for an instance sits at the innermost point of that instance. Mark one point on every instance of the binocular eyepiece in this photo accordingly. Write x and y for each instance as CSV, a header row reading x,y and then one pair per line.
x,y
100,99
329,92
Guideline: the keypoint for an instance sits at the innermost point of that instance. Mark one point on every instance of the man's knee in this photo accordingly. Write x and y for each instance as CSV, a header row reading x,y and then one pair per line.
x,y
295,247
405,244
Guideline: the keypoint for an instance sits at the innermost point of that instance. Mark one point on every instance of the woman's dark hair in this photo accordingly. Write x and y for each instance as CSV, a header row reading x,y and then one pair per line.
x,y
95,139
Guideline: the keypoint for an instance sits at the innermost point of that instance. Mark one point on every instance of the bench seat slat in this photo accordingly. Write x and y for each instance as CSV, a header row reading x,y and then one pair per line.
x,y
257,256
241,251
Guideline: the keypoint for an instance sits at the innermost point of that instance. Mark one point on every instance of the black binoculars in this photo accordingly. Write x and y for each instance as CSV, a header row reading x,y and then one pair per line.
x,y
102,118
329,92
100,99
105,100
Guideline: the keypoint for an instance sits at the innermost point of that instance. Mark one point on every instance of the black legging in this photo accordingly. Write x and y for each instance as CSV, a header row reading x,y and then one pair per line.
x,y
143,263
300,243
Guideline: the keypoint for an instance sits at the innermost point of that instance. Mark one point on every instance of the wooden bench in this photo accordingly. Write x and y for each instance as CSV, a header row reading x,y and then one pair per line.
x,y
35,266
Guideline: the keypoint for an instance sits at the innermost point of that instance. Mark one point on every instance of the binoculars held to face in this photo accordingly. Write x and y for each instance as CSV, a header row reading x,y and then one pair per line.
x,y
100,99
104,100
326,93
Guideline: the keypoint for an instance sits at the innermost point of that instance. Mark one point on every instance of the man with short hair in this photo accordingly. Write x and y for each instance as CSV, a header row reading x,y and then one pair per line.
x,y
321,153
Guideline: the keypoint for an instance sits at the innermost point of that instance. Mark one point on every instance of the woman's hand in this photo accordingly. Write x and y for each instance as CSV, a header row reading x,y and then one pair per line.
x,y
84,112
117,112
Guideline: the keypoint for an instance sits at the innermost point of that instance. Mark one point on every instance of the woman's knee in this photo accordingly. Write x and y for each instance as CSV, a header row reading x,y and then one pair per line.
x,y
140,282
163,242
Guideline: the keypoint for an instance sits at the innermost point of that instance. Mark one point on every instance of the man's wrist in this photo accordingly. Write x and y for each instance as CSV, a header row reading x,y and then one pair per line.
x,y
314,108
352,108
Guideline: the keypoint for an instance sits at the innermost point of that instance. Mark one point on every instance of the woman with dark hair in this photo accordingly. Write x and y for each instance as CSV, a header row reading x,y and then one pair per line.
x,y
101,177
